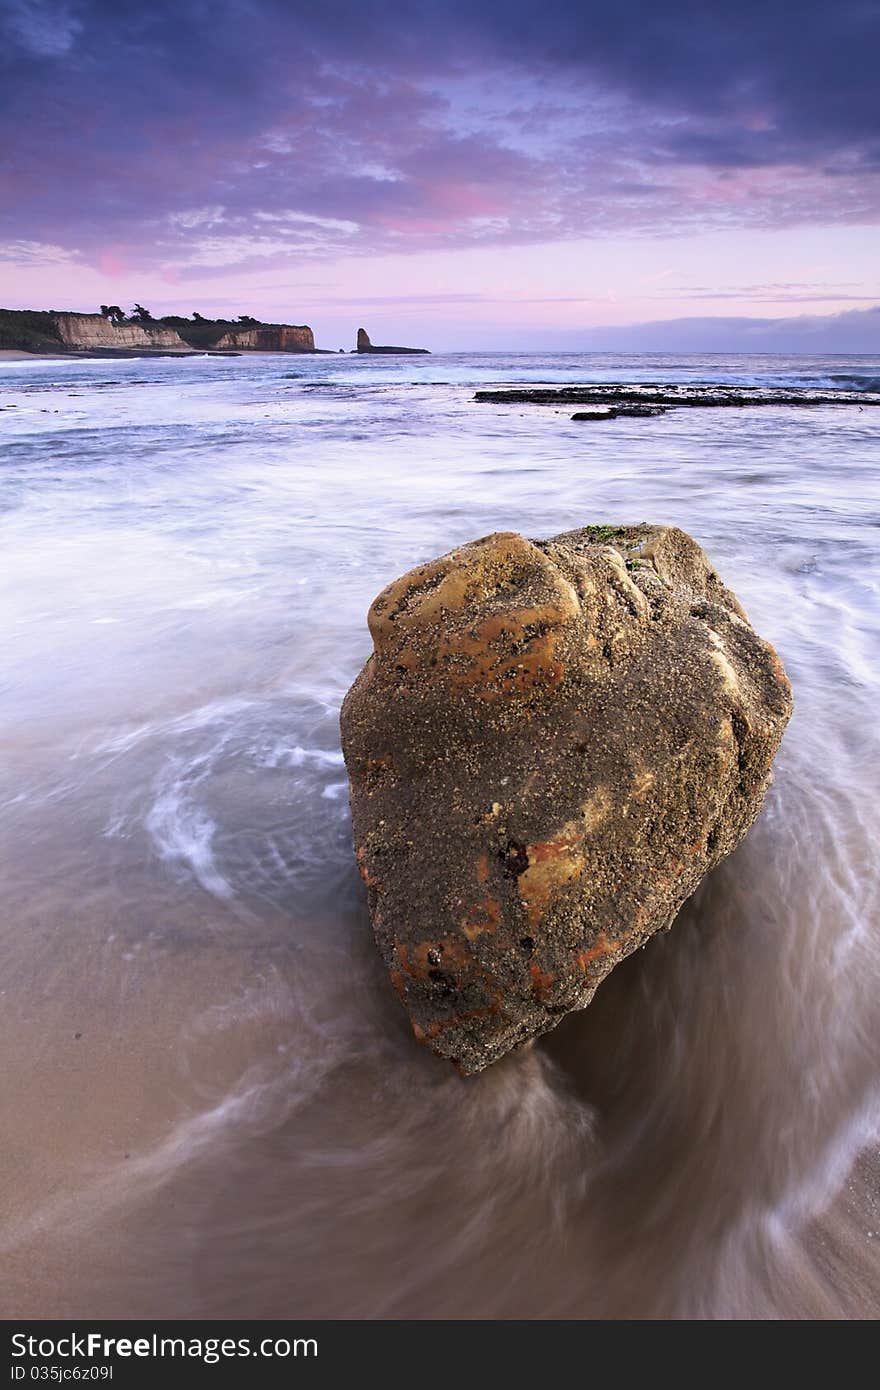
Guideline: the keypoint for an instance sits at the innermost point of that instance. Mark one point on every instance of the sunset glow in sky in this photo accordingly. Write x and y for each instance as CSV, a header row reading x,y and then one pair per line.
x,y
454,175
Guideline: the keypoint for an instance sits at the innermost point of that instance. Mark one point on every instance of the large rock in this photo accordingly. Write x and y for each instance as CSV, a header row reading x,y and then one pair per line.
x,y
364,345
550,745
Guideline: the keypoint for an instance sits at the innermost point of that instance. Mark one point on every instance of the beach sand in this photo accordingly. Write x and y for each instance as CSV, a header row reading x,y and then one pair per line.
x,y
14,355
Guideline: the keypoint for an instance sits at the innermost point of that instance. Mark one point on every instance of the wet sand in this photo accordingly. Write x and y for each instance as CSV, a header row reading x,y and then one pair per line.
x,y
13,355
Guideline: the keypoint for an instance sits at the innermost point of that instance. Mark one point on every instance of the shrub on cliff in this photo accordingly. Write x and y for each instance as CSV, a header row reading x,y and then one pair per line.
x,y
28,330
199,332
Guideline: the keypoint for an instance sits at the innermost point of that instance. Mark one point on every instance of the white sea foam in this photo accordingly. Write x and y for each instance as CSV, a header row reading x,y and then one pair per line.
x,y
182,832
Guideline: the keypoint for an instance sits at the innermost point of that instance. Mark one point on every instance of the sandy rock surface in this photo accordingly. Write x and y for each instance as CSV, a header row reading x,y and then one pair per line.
x,y
551,745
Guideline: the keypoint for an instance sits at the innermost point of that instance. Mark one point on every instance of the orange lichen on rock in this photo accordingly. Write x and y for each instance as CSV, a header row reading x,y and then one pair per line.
x,y
483,917
506,654
542,981
437,964
601,947
361,856
443,1025
555,862
465,577
552,864
465,615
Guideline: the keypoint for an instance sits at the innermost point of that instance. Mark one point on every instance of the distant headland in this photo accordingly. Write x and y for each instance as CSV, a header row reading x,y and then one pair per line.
x,y
113,333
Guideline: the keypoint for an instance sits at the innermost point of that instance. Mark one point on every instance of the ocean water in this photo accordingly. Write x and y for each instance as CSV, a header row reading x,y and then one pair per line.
x,y
210,1099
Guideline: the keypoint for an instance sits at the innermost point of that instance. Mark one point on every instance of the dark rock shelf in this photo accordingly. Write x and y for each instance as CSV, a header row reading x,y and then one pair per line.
x,y
610,412
674,395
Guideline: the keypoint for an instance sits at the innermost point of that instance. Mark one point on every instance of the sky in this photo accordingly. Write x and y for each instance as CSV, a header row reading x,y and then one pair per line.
x,y
669,174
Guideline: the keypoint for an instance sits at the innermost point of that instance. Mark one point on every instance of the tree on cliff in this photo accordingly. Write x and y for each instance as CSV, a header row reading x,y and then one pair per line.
x,y
248,320
113,313
141,315
197,317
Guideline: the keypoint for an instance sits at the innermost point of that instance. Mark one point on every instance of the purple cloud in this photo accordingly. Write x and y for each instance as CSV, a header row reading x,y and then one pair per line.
x,y
190,136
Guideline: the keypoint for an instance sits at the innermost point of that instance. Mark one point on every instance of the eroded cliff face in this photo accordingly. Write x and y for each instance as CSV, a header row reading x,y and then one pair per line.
x,y
270,337
84,331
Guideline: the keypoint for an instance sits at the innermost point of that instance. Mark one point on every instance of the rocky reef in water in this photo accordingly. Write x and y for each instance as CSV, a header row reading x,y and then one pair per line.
x,y
654,399
364,345
613,412
550,746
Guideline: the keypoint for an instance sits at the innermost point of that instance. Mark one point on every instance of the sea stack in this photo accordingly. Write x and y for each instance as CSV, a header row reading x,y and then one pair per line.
x,y
550,746
364,345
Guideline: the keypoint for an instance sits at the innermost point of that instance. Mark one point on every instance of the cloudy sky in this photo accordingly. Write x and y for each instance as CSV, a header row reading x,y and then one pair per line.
x,y
451,172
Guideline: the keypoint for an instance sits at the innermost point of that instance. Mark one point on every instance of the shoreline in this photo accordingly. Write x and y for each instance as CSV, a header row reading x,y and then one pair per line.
x,y
114,354
136,354
16,355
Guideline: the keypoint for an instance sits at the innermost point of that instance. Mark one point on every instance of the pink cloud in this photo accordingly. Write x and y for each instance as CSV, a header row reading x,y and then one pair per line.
x,y
463,199
113,261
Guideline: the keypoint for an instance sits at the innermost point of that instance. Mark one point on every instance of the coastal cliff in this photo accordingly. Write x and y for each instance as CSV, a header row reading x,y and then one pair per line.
x,y
364,345
83,332
112,332
268,337
66,332
50,331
